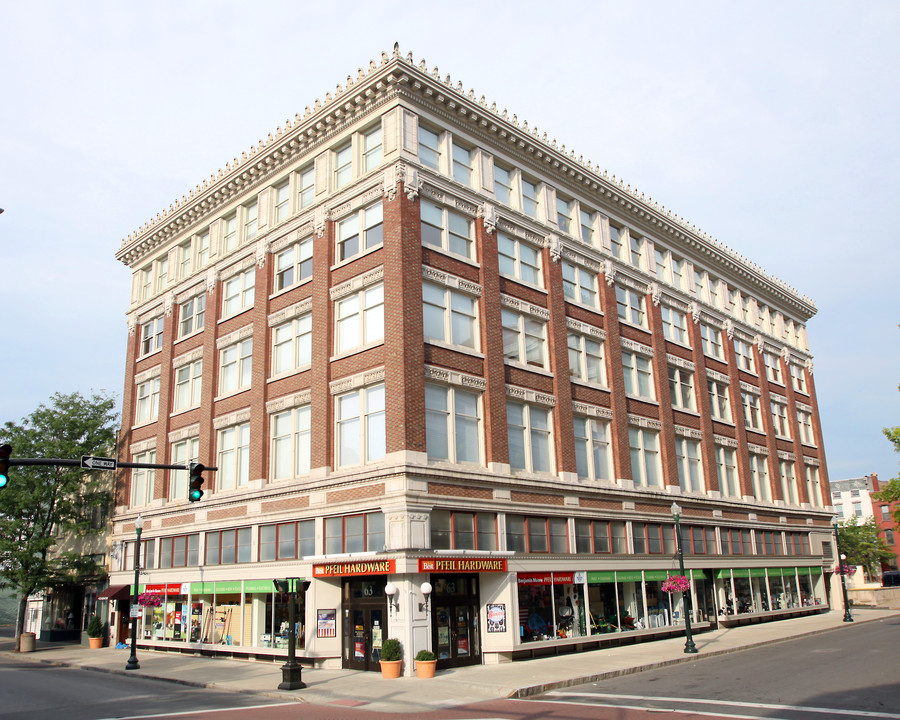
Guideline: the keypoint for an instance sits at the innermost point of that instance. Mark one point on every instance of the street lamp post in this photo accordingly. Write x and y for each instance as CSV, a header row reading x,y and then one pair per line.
x,y
841,557
291,671
133,661
689,646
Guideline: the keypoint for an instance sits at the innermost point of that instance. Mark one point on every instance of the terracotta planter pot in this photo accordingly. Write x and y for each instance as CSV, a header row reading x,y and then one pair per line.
x,y
95,643
390,669
425,668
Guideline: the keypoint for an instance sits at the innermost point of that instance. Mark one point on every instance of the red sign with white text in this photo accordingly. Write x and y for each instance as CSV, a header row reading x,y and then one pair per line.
x,y
354,567
546,578
460,565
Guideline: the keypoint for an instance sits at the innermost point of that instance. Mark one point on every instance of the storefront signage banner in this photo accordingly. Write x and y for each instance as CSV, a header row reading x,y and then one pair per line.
x,y
757,572
357,567
169,588
545,578
451,565
629,576
601,576
258,586
740,572
658,574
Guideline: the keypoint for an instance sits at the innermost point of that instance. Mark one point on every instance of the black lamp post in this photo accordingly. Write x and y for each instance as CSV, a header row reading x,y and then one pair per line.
x,y
837,546
689,646
133,661
291,670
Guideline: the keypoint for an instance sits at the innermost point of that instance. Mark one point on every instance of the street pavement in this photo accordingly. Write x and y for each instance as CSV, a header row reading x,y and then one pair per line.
x,y
449,688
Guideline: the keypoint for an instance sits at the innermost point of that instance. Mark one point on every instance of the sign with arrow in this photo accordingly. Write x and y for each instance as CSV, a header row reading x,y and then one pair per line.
x,y
91,462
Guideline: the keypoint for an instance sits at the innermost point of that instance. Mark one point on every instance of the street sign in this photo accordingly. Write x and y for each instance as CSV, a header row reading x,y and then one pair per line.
x,y
135,611
91,462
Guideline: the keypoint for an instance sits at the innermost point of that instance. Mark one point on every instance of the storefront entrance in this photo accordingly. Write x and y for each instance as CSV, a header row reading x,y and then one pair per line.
x,y
456,636
365,622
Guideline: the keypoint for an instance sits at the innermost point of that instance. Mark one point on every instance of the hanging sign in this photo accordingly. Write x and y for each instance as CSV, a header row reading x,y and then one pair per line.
x,y
454,565
357,567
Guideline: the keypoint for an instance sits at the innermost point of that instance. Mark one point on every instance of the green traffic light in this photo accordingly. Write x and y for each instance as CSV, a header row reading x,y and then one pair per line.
x,y
194,496
4,480
195,482
5,452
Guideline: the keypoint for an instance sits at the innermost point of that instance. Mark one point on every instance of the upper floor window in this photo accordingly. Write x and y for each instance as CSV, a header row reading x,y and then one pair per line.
x,y
226,547
183,453
238,292
579,285
282,201
646,468
188,385
343,165
586,358
615,241
147,407
735,542
798,378
600,536
719,404
307,182
162,273
462,164
292,345
759,477
360,426
146,281
251,220
681,388
351,240
447,229
452,424
291,442
638,374
711,341
804,419
564,209
593,455
780,419
789,484
518,259
429,148
229,232
194,254
636,250
663,271
652,538
773,367
192,315
449,316
690,469
726,468
743,351
524,338
354,533
631,306
529,437
143,479
674,324
814,490
287,541
530,200
587,232
360,319
537,534
179,551
678,272
372,149
503,183
152,335
234,457
294,264
752,412
454,530
236,365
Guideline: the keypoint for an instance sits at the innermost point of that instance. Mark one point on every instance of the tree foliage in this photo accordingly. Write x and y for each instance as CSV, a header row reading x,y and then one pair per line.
x,y
41,503
891,491
862,544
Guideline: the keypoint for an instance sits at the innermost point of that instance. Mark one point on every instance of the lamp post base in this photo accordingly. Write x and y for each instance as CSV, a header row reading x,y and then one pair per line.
x,y
133,664
290,677
847,616
690,648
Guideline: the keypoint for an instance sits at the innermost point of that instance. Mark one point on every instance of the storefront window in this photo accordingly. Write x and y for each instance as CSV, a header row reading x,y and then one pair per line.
x,y
603,605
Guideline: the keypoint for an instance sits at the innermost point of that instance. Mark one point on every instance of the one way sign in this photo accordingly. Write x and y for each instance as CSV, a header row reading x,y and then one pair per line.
x,y
90,462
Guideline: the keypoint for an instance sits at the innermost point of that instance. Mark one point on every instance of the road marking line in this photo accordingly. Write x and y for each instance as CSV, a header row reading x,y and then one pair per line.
x,y
659,710
761,706
197,712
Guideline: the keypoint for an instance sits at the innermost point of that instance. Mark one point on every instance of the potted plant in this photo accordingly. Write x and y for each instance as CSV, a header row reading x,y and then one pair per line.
x,y
425,664
95,632
391,658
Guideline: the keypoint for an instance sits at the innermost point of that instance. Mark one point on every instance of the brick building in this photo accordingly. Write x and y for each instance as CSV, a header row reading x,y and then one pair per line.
x,y
456,376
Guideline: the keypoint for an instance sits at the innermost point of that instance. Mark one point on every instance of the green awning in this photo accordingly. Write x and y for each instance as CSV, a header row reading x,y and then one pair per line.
x,y
601,576
629,575
658,574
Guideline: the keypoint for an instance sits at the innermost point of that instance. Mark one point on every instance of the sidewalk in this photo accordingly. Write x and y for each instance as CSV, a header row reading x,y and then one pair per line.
x,y
450,688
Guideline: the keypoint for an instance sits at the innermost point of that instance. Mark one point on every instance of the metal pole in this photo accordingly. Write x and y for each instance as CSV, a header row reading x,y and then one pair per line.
x,y
837,544
133,661
689,646
290,671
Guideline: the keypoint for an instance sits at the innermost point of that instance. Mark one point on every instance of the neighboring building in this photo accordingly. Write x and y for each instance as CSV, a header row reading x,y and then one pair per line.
x,y
884,516
424,344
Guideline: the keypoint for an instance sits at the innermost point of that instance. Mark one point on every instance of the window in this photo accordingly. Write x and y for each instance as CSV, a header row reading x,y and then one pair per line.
x,y
646,469
588,234
699,540
638,375
798,378
674,325
593,456
294,264
752,411
519,259
564,215
192,315
183,453
615,241
536,534
586,358
449,316
429,148
162,273
188,385
146,282
630,306
448,230
529,198
636,249
226,547
804,420
529,437
282,201
238,292
502,184
773,367
652,538
291,435
579,285
229,233
143,479
592,536
662,264
524,338
681,388
735,542
780,419
372,149
292,345
147,408
885,509
234,457
354,533
743,351
711,341
307,183
678,272
719,405
360,426
148,555
351,241
452,424
759,477
343,165
726,469
152,335
889,537
814,490
690,469
857,509
453,530
251,220
789,482
768,542
360,319
287,541
236,366
179,551
462,164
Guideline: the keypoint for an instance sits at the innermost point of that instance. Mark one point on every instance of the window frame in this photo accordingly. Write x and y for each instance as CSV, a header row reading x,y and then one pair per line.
x,y
455,307
297,438
240,543
451,240
580,285
359,319
453,415
239,292
367,239
525,329
193,382
152,336
534,440
484,530
646,462
192,315
637,372
587,445
294,343
299,271
146,404
520,266
242,364
719,400
588,366
367,418
675,326
677,387
711,341
689,458
238,469
631,306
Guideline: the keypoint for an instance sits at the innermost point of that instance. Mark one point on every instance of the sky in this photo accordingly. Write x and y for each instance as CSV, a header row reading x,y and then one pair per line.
x,y
770,125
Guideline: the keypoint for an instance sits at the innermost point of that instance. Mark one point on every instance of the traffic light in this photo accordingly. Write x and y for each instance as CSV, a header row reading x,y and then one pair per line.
x,y
5,452
195,481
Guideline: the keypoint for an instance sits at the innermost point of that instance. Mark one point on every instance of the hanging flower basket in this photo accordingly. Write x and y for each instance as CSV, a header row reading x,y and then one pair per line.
x,y
676,583
844,569
149,599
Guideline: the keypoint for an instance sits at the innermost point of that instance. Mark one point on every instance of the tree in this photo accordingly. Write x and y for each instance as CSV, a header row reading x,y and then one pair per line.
x,y
41,503
862,544
891,491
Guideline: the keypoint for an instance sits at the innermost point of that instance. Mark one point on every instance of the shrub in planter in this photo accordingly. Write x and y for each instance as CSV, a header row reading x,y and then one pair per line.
x,y
425,664
425,655
95,632
391,658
